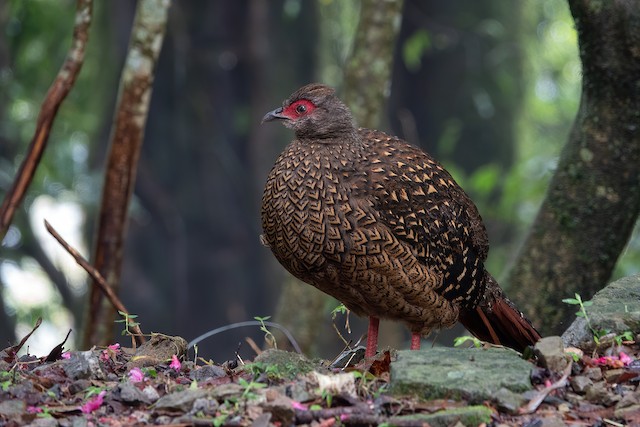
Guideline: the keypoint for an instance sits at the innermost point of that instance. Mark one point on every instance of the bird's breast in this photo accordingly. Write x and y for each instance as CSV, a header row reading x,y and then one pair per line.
x,y
308,212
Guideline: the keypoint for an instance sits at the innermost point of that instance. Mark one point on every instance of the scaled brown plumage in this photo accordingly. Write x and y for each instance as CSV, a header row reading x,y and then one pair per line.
x,y
380,225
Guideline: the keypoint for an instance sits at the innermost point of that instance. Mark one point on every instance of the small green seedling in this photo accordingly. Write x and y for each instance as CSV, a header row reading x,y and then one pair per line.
x,y
268,336
597,334
249,386
128,322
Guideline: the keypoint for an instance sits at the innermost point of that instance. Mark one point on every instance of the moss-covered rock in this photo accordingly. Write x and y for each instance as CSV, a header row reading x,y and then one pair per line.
x,y
471,374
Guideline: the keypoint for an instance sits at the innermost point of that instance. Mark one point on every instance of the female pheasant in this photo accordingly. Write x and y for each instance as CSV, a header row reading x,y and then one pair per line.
x,y
381,226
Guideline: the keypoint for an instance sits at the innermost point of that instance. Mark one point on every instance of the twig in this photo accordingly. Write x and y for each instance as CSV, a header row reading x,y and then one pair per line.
x,y
533,404
58,91
97,278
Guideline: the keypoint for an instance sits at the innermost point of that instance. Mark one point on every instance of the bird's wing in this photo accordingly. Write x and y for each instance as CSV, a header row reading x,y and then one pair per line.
x,y
418,200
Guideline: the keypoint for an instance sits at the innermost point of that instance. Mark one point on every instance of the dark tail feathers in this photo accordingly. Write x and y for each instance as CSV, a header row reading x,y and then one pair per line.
x,y
498,321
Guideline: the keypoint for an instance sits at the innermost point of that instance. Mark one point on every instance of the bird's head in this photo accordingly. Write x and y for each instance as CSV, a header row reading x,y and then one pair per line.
x,y
314,112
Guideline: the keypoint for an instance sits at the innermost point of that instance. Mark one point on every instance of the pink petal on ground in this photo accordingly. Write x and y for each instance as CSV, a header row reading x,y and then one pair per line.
x,y
115,347
624,358
298,405
175,363
93,403
136,375
34,410
66,355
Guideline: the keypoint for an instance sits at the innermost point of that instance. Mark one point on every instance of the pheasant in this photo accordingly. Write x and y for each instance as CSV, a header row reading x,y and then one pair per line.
x,y
381,226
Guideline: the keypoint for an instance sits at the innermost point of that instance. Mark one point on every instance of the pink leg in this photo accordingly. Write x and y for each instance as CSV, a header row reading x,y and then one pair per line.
x,y
372,337
415,341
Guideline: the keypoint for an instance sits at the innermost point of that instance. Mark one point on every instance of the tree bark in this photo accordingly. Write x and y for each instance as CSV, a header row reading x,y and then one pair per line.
x,y
368,74
128,131
593,199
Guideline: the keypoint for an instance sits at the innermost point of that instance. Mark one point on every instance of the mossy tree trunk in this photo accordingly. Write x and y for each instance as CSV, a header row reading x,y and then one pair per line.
x,y
593,199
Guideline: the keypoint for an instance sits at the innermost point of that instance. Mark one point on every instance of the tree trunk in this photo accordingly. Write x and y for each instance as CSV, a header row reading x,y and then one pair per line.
x,y
368,75
130,118
593,199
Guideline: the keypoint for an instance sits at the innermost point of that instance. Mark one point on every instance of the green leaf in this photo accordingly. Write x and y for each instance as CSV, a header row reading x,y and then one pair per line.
x,y
571,301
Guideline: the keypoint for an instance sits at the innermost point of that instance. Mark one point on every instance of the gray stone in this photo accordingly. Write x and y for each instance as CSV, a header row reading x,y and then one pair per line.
x,y
471,374
598,393
207,371
12,408
551,421
281,409
43,422
206,406
181,400
550,352
580,383
467,416
151,393
509,401
131,394
616,308
83,365
593,373
629,404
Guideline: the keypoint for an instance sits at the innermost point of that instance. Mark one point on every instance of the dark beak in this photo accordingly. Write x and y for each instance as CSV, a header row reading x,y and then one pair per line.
x,y
273,115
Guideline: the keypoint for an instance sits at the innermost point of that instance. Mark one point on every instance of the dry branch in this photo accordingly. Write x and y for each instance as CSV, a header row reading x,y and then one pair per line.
x,y
57,93
98,279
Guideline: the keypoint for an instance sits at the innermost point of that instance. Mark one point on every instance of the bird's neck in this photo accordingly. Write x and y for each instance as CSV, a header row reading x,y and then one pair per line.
x,y
342,137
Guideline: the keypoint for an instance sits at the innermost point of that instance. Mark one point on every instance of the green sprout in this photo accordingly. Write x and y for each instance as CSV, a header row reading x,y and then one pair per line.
x,y
268,336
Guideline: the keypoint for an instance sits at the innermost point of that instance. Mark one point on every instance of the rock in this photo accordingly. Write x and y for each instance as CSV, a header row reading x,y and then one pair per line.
x,y
129,393
298,392
281,409
508,401
157,350
12,408
616,308
580,383
550,352
551,422
629,403
83,365
598,393
206,406
43,422
284,364
471,374
151,393
593,373
181,400
466,416
612,375
207,371
78,386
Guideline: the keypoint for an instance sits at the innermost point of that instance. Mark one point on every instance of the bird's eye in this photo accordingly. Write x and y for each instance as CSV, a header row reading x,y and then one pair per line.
x,y
301,109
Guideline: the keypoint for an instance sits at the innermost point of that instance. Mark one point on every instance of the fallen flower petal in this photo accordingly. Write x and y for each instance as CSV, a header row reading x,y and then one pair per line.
x,y
175,363
298,405
93,403
34,410
624,358
136,375
66,355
